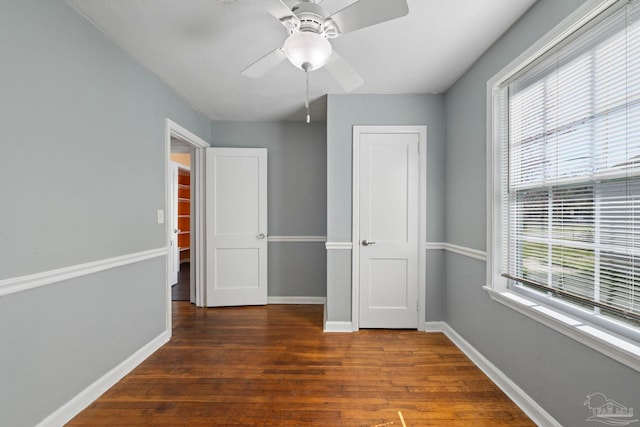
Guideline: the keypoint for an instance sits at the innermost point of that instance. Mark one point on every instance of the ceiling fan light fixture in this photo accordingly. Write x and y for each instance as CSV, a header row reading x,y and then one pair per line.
x,y
304,48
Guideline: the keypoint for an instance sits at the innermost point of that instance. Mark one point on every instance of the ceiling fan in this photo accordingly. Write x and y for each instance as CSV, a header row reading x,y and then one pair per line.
x,y
310,28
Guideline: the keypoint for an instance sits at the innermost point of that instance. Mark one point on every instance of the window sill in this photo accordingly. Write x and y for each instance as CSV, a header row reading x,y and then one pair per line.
x,y
622,350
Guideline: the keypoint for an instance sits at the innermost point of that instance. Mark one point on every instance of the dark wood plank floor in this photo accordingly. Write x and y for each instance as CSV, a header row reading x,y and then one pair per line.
x,y
182,290
273,366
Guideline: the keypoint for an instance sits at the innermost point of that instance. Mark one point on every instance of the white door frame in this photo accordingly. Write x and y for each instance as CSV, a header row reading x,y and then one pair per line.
x,y
172,129
422,220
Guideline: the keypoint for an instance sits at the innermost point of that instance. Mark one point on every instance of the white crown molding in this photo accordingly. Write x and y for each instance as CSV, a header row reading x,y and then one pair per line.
x,y
297,300
31,281
339,246
73,407
296,239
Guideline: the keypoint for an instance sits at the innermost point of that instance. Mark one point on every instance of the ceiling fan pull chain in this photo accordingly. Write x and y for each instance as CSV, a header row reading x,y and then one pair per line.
x,y
306,102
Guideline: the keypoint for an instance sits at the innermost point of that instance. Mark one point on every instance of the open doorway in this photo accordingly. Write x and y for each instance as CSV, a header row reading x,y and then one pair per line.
x,y
182,281
180,139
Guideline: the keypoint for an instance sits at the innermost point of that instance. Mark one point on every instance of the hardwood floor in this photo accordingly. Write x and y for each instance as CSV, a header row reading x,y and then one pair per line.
x,y
274,366
182,290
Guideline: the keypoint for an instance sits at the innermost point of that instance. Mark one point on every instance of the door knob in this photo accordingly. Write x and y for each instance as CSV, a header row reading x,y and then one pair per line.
x,y
261,236
366,242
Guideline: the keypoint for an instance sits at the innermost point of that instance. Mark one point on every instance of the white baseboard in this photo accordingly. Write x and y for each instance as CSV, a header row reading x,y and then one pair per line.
x,y
65,413
434,326
72,408
296,300
338,326
330,326
511,389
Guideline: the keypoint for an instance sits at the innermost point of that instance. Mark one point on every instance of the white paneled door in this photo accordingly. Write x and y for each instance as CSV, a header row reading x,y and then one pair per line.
x,y
236,226
389,170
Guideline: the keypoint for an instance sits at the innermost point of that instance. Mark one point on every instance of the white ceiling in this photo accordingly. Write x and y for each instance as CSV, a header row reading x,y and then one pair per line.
x,y
199,48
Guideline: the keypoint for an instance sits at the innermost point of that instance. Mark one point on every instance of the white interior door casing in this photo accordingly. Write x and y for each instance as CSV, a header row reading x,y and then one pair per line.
x,y
236,226
388,228
198,146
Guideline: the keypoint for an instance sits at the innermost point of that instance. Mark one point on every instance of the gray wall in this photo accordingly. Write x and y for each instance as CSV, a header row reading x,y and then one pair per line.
x,y
343,112
81,177
297,177
556,371
82,174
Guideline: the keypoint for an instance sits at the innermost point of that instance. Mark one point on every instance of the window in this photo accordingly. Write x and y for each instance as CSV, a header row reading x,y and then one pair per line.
x,y
565,159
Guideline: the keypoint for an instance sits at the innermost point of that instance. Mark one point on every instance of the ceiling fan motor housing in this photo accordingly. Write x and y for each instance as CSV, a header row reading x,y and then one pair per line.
x,y
313,19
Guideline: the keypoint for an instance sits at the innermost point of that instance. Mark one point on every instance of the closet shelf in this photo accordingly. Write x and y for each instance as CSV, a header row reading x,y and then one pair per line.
x,y
183,215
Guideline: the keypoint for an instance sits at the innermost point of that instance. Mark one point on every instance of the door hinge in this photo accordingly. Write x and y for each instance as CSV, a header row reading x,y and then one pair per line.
x,y
417,305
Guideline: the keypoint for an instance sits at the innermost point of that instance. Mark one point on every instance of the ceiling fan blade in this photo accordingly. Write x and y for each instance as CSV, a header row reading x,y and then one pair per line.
x,y
343,73
365,13
263,65
282,13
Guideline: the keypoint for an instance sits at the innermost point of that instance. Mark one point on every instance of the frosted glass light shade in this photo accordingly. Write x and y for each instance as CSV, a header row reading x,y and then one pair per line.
x,y
307,48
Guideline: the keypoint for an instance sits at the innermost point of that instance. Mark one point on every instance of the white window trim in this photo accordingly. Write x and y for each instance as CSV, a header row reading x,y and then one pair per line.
x,y
599,338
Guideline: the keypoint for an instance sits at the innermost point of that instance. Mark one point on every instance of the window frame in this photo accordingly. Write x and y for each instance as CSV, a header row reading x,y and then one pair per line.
x,y
613,338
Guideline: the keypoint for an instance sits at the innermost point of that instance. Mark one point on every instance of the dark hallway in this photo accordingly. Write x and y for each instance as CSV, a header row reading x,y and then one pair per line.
x,y
180,291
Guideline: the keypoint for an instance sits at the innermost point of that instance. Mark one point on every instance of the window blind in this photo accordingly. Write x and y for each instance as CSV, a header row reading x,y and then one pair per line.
x,y
572,152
